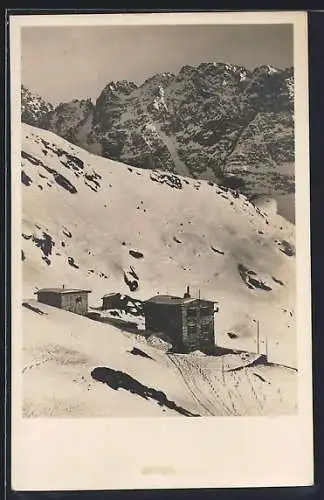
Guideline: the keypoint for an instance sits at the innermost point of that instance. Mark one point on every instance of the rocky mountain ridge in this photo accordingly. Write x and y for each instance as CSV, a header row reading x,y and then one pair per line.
x,y
214,121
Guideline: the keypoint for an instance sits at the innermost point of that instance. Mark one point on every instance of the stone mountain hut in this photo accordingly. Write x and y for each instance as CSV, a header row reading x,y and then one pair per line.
x,y
112,300
71,299
188,322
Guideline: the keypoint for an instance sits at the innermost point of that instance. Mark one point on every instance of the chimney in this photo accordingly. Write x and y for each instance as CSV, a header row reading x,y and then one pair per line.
x,y
63,286
187,294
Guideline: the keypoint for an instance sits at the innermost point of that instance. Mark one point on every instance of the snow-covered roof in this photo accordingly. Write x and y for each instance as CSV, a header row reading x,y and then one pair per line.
x,y
170,300
111,294
61,290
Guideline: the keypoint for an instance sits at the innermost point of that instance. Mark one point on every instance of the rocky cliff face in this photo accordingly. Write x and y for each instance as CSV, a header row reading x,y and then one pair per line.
x,y
214,121
34,110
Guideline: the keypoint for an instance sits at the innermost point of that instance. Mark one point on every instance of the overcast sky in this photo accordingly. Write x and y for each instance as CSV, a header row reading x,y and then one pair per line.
x,y
65,63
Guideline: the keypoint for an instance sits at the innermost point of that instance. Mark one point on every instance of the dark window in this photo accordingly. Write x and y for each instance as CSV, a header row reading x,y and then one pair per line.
x,y
192,331
205,311
191,313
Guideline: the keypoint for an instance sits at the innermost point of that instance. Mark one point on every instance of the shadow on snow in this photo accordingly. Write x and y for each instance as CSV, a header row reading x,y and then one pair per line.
x,y
120,380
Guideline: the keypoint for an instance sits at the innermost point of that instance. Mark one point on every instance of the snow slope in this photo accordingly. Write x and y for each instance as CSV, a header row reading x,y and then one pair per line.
x,y
82,214
73,366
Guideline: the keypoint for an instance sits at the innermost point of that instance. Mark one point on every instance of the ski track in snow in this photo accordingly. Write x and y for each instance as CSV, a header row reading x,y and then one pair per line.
x,y
61,350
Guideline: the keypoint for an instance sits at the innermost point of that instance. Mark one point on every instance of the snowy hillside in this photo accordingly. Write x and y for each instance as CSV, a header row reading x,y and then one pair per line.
x,y
95,223
73,366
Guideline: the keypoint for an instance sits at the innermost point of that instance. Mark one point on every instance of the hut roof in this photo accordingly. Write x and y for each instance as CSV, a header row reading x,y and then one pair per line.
x,y
62,290
169,300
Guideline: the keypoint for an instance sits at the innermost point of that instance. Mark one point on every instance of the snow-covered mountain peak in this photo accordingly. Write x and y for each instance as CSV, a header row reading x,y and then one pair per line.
x,y
266,69
272,69
213,120
158,79
34,109
117,89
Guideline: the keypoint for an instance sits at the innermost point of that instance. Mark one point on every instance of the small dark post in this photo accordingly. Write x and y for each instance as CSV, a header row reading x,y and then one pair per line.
x,y
258,337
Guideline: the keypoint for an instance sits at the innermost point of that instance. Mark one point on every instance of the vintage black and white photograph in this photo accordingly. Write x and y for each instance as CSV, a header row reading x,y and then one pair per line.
x,y
158,244
160,251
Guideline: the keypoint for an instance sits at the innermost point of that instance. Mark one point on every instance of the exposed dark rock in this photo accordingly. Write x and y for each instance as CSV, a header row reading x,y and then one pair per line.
x,y
25,179
232,335
67,233
139,352
72,263
287,248
133,273
45,243
276,280
27,236
252,282
33,308
136,254
120,380
58,178
216,250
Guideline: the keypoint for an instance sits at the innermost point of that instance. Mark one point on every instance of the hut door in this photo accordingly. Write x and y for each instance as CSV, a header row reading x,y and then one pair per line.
x,y
193,328
78,305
